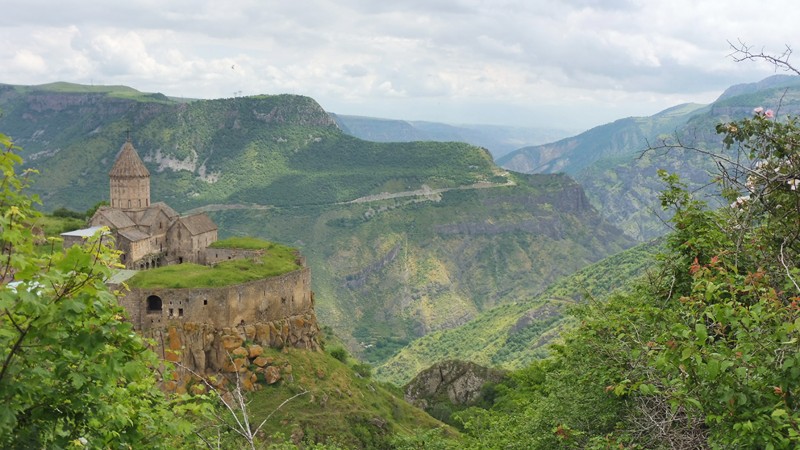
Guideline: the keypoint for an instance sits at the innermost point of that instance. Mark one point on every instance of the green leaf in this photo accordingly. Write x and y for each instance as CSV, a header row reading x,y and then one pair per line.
x,y
779,413
701,332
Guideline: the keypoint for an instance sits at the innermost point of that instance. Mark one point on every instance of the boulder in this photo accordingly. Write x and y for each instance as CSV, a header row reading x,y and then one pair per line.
x,y
255,350
272,375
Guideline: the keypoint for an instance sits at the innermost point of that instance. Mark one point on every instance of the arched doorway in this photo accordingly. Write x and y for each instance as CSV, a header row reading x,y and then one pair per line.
x,y
154,304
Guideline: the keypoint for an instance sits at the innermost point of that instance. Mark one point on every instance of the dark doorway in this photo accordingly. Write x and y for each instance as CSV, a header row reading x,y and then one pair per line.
x,y
153,304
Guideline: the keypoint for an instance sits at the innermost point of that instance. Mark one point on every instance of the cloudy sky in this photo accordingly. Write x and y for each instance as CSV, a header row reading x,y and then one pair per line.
x,y
566,63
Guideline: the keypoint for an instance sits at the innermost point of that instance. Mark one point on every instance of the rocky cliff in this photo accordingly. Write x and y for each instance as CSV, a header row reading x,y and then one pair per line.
x,y
459,382
206,349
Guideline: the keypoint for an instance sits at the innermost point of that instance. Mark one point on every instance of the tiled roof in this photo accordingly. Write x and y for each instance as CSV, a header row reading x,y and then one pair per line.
x,y
115,217
198,223
128,163
133,235
152,212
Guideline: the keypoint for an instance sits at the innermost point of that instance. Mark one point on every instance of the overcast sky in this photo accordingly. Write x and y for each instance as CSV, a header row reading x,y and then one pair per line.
x,y
566,63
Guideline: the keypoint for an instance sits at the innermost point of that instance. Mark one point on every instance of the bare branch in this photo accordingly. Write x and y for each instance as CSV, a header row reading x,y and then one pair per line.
x,y
785,266
239,406
740,51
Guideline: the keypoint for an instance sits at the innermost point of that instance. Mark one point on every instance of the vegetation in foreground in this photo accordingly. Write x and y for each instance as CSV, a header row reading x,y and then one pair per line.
x,y
73,373
336,403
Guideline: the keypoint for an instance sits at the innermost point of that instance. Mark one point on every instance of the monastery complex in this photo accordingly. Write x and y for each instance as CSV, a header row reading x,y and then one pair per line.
x,y
148,234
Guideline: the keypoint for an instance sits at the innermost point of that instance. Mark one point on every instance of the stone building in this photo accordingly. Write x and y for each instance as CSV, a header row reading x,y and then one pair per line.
x,y
149,234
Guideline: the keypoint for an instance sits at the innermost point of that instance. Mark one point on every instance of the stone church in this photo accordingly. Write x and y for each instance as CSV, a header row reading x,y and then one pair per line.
x,y
149,234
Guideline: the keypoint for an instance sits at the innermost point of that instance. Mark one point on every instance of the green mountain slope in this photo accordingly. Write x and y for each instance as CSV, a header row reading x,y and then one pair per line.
x,y
333,404
622,137
511,336
621,180
403,238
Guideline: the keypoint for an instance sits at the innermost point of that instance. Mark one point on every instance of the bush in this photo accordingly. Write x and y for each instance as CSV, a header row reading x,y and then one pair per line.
x,y
362,369
339,353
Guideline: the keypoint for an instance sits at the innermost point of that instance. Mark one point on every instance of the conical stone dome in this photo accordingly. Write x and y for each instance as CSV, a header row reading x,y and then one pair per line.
x,y
130,180
128,164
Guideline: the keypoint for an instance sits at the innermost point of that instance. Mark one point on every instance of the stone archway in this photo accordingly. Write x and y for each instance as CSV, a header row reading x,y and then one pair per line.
x,y
154,304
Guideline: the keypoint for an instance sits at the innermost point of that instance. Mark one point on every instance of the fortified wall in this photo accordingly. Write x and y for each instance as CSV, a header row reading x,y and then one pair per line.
x,y
202,328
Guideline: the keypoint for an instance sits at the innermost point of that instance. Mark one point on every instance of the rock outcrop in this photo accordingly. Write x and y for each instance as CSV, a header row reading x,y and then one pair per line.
x,y
205,349
460,382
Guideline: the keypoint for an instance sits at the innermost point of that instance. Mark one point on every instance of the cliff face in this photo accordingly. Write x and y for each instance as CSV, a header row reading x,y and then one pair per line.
x,y
206,349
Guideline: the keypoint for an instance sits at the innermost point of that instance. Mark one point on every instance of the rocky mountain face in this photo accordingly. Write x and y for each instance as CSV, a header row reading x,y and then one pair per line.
x,y
617,163
451,386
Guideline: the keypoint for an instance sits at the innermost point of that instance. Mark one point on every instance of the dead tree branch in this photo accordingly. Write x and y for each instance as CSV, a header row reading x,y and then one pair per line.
x,y
740,51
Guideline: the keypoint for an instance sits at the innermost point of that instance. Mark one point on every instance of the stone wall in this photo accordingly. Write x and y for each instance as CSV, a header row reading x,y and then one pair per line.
x,y
263,301
217,255
130,192
203,328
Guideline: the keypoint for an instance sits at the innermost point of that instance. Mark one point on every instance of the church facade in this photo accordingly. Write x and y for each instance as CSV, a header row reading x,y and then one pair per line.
x,y
149,234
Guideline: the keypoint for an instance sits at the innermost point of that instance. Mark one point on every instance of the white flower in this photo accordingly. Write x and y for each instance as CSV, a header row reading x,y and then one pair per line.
x,y
758,110
740,201
793,184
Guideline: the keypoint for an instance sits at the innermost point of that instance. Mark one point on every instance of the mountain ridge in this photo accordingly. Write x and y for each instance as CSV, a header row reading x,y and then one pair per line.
x,y
617,163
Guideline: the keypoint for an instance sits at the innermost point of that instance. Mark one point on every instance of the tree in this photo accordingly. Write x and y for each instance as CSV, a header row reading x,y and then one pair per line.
x,y
73,373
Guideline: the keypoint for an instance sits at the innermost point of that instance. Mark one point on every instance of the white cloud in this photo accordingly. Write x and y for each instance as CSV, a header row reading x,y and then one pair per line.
x,y
470,60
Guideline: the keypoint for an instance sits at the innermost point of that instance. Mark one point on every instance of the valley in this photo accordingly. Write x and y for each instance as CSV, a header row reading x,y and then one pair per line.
x,y
620,274
403,238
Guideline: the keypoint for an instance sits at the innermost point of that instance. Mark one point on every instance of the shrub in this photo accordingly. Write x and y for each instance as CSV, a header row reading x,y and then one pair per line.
x,y
339,353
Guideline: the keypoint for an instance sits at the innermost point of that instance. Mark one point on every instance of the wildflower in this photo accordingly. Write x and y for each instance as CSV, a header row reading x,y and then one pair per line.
x,y
793,184
740,201
758,110
769,114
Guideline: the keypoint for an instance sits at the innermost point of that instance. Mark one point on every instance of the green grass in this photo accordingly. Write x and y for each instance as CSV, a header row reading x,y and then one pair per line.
x,y
277,260
340,406
54,226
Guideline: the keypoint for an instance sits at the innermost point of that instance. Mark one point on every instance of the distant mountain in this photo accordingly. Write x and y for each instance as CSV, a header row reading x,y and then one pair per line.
x,y
620,177
403,238
499,140
572,155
